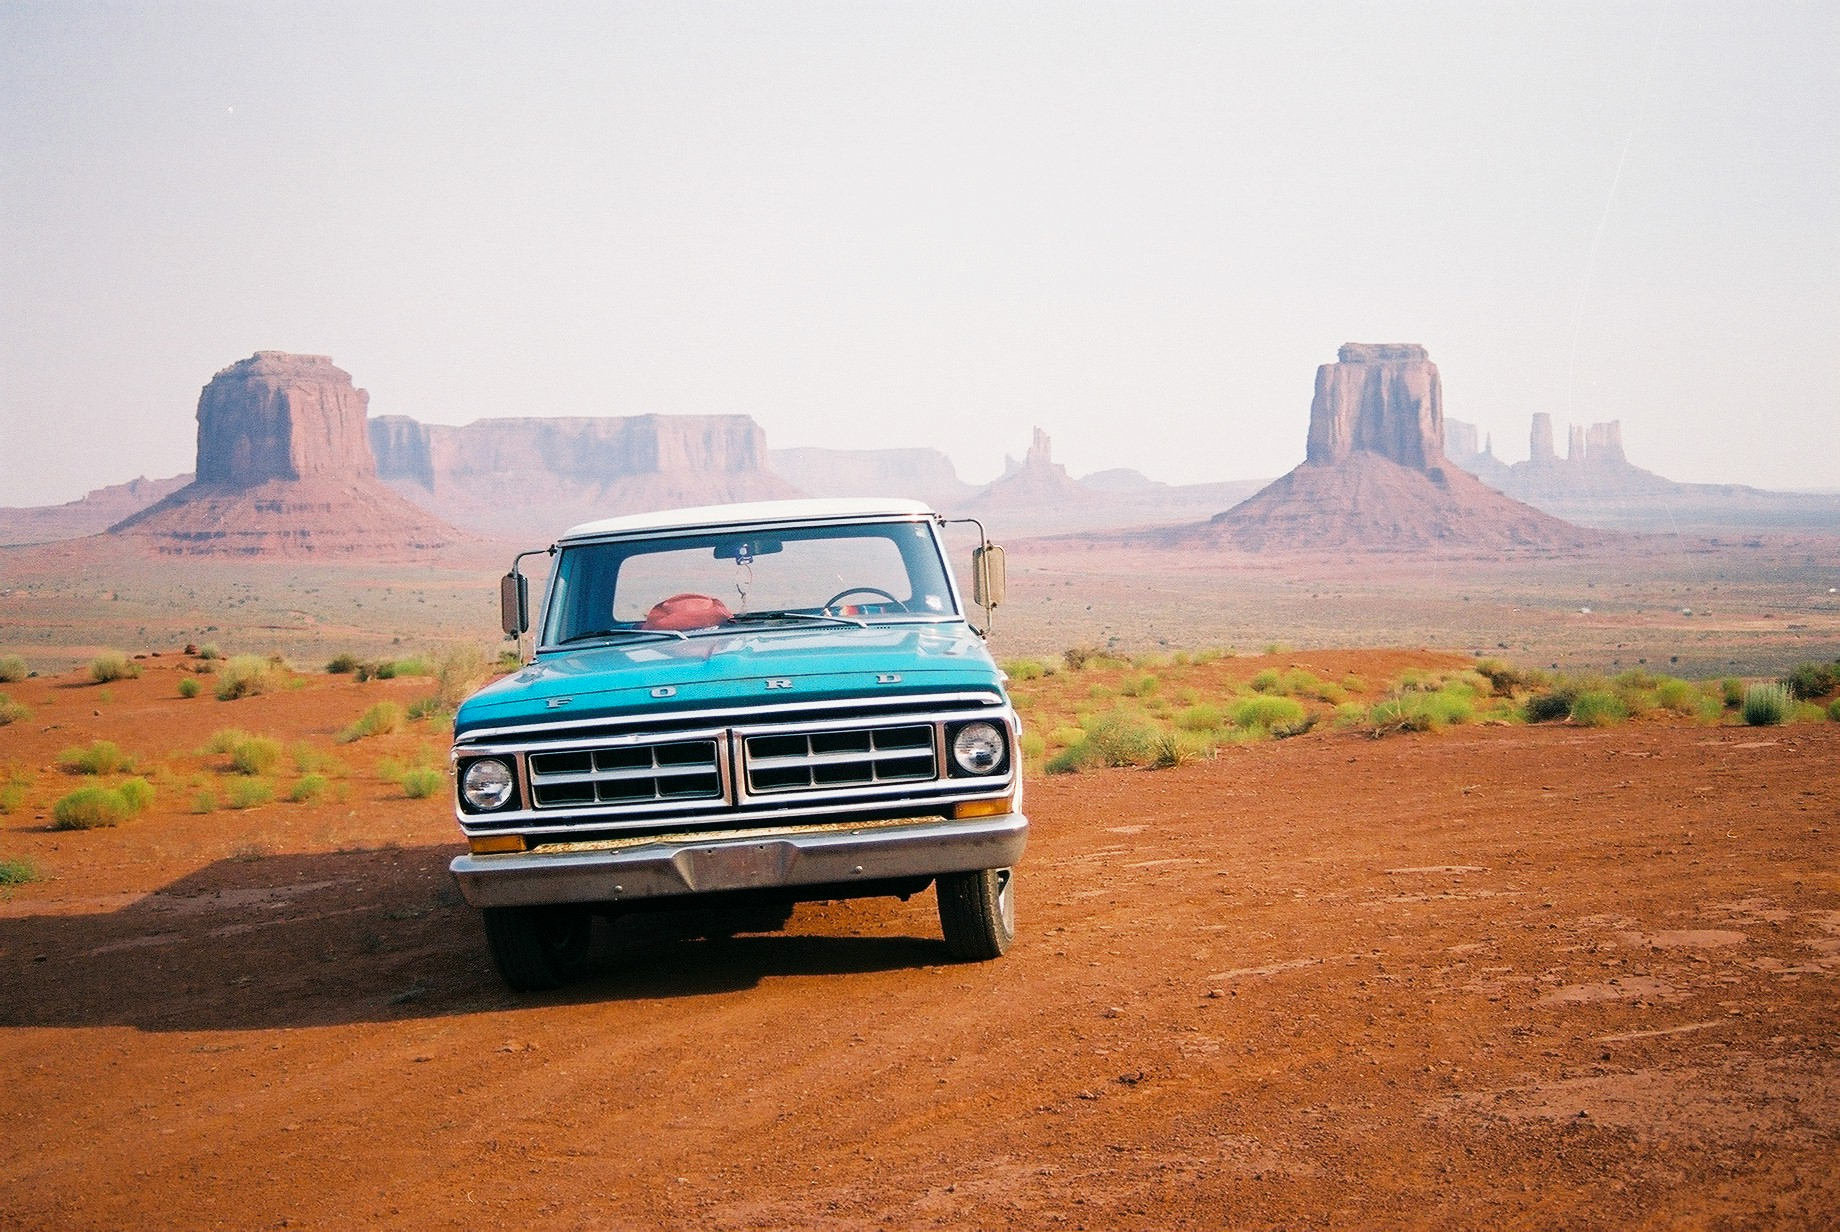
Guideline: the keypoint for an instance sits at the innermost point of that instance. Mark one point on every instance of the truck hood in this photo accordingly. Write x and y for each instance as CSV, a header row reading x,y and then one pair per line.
x,y
750,667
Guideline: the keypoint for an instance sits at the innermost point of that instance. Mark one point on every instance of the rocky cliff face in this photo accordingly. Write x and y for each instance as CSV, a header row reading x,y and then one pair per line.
x,y
281,416
284,469
535,477
1384,398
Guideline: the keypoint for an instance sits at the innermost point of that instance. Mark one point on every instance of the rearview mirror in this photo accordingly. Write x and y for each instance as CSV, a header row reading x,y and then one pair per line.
x,y
514,604
989,576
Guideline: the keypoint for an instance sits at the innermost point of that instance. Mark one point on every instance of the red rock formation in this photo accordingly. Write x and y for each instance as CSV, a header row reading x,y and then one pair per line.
x,y
284,469
1385,398
533,477
1540,440
93,514
1375,477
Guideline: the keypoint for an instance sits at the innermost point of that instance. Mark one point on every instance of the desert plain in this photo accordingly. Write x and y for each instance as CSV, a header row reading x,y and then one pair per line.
x,y
1497,975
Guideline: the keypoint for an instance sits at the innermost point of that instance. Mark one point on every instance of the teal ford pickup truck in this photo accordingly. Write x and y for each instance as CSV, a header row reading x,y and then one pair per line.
x,y
748,706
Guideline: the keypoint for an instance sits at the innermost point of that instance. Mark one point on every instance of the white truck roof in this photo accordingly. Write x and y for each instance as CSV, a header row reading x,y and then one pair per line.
x,y
751,514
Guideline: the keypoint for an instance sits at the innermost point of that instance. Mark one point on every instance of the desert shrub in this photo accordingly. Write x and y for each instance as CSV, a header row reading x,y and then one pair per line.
x,y
188,687
431,709
1637,678
1352,683
308,788
112,665
12,711
17,871
1025,669
255,755
1807,681
1276,715
420,784
224,739
12,669
1504,678
98,757
1765,705
1068,760
1033,747
1139,686
90,807
1678,696
205,802
509,660
1731,689
1415,711
248,793
247,676
1547,706
1201,718
1297,682
1120,739
210,651
343,664
381,719
1066,736
1598,708
1180,748
137,792
1351,714
414,665
459,673
1076,657
13,789
1266,681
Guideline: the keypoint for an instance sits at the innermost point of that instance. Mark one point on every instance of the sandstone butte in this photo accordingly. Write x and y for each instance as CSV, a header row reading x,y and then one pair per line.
x,y
284,469
1375,478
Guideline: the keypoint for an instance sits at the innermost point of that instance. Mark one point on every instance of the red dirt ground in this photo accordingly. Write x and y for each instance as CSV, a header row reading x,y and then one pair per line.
x,y
1494,977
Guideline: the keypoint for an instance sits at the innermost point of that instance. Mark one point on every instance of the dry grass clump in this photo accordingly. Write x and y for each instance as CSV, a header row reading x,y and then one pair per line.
x,y
90,807
97,757
17,871
248,675
112,665
379,720
12,711
12,669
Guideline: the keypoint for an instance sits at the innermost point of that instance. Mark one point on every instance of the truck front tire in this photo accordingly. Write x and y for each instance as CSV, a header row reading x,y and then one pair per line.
x,y
536,948
977,912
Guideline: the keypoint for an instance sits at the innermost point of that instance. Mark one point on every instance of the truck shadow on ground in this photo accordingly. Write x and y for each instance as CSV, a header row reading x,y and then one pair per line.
x,y
372,936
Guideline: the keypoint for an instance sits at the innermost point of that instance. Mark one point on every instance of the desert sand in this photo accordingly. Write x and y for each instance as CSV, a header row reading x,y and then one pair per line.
x,y
1494,976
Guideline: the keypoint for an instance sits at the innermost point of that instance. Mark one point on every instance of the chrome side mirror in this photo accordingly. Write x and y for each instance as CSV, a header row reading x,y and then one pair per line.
x,y
989,576
514,604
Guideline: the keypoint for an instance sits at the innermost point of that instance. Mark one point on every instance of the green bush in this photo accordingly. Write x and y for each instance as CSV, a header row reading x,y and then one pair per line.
x,y
1266,681
210,651
420,784
112,665
309,760
430,708
1833,710
379,720
1277,715
1201,718
1505,679
1547,706
205,802
1034,748
12,711
1732,690
342,664
1139,686
1598,708
247,676
99,757
1068,760
13,791
224,739
1765,705
248,793
1067,736
1808,681
1120,739
1179,748
1415,711
255,755
188,687
17,871
89,807
1025,669
1678,696
12,669
308,788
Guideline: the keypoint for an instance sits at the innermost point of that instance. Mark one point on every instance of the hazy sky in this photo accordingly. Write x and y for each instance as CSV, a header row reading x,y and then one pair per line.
x,y
867,224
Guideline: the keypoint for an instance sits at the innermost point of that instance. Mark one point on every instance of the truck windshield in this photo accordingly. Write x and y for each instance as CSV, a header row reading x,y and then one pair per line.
x,y
687,583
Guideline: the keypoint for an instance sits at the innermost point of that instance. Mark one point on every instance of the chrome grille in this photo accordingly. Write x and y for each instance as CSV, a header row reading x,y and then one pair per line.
x,y
853,757
626,774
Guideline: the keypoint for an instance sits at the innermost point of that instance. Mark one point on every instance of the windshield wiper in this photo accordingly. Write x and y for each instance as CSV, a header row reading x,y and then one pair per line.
x,y
629,632
758,617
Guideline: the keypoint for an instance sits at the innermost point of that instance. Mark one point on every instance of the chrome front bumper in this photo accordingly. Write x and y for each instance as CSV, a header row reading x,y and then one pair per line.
x,y
679,865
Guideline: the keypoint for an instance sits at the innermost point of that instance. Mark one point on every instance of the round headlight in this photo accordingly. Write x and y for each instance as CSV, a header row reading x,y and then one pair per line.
x,y
487,784
978,748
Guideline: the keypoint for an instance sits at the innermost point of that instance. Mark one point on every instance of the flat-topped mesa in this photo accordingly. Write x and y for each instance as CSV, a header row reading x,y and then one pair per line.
x,y
1379,397
281,416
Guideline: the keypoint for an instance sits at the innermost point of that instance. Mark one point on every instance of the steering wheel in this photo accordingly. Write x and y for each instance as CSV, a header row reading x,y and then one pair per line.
x,y
863,590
